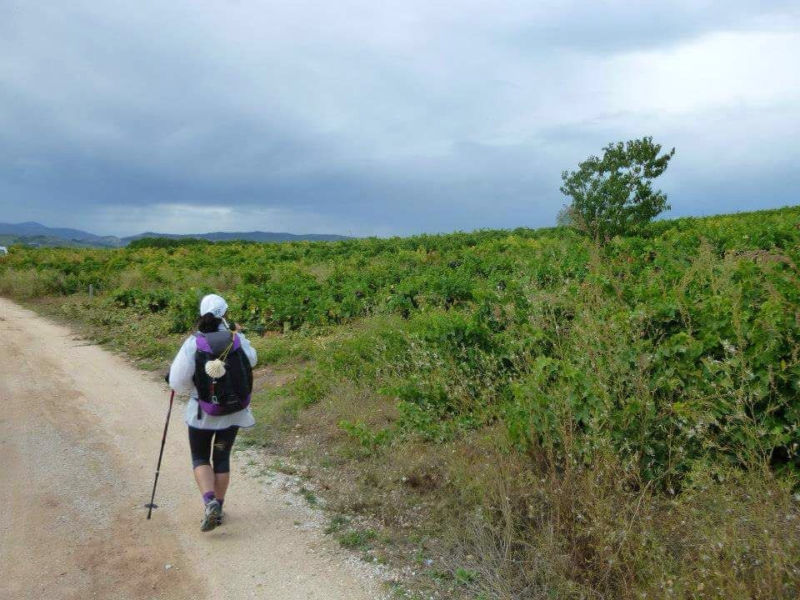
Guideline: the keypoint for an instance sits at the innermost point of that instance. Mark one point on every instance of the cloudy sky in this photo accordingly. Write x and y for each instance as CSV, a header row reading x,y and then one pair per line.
x,y
383,118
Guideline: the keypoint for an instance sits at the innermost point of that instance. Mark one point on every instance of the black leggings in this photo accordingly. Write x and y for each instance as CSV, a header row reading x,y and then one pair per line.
x,y
201,442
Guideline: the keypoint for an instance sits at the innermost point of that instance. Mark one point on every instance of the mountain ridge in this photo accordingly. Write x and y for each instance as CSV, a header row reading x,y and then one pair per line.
x,y
34,233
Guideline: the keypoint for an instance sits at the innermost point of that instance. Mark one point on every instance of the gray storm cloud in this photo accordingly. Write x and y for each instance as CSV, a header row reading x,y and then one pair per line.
x,y
382,118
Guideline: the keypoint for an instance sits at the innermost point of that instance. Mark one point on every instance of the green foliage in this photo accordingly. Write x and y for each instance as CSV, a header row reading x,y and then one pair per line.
x,y
309,496
465,576
309,388
613,195
358,539
368,440
618,420
676,345
162,242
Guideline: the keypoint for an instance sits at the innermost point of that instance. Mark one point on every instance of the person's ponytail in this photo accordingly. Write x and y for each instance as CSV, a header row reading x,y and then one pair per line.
x,y
208,323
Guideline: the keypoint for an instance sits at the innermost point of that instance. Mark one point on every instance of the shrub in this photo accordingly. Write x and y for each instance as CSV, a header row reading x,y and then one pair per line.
x,y
613,195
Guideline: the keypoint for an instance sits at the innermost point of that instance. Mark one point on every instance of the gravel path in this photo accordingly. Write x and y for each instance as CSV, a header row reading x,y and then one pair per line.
x,y
79,437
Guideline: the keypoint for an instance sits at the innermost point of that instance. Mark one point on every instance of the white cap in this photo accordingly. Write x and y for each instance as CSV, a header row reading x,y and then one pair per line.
x,y
213,304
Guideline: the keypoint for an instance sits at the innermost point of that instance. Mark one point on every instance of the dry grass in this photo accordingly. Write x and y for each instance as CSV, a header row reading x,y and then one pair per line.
x,y
24,284
590,533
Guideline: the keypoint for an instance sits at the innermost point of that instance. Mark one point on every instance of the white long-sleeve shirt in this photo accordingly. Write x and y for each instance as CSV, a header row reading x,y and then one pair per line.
x,y
180,380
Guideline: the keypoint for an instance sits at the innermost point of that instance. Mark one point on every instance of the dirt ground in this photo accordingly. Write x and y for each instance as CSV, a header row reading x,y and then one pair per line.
x,y
79,437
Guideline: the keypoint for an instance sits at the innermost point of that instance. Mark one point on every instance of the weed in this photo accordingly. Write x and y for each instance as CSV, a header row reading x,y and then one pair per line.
x,y
357,539
336,524
309,496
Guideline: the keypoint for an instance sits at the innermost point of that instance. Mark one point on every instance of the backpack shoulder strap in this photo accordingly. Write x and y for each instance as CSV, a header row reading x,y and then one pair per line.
x,y
216,342
202,342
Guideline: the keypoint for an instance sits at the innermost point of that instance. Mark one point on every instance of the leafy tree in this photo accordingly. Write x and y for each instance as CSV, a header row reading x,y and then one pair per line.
x,y
613,195
565,217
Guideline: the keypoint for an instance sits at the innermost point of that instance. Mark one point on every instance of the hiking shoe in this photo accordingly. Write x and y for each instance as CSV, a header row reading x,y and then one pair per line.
x,y
211,518
221,518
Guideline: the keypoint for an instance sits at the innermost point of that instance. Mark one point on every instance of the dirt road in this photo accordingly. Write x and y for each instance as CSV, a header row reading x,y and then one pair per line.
x,y
79,437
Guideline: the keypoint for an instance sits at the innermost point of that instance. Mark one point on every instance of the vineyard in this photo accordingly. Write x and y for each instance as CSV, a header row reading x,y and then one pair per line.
x,y
617,420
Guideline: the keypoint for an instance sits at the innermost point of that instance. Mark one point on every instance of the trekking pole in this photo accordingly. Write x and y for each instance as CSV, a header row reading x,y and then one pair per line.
x,y
151,506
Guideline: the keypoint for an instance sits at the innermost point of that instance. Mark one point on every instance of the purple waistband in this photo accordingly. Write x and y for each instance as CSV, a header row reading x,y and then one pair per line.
x,y
216,410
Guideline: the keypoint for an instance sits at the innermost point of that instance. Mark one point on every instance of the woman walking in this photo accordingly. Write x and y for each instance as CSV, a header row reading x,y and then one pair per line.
x,y
215,367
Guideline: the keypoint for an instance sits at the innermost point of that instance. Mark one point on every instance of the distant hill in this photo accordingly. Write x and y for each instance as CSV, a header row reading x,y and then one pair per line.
x,y
50,241
31,228
36,234
32,233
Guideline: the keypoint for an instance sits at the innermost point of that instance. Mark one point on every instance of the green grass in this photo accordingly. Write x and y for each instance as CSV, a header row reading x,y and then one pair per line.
x,y
357,539
309,497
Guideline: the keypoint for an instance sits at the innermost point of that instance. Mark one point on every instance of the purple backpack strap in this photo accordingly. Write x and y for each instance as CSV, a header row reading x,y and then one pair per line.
x,y
202,343
204,346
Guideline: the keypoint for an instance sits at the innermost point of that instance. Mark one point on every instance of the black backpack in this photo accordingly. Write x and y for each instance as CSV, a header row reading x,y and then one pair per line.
x,y
229,393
